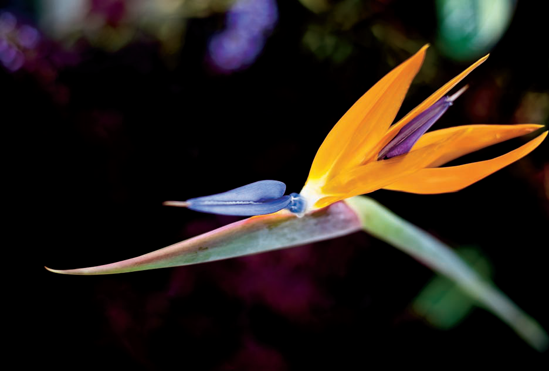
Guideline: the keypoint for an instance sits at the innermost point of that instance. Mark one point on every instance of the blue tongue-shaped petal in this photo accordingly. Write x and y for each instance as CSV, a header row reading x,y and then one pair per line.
x,y
408,136
263,197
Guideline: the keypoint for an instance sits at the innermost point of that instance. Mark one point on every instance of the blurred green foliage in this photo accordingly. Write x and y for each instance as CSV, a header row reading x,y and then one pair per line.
x,y
441,302
470,28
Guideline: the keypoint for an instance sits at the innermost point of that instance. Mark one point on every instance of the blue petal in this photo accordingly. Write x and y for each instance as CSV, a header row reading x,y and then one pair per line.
x,y
408,136
263,197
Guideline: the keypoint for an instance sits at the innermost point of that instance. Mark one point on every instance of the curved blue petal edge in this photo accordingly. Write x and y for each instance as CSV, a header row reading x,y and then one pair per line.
x,y
259,198
238,208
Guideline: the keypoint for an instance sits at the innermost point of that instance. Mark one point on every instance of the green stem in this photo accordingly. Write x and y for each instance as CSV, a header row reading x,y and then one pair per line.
x,y
385,225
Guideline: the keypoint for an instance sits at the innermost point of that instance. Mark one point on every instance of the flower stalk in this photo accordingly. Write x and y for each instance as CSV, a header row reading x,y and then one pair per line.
x,y
284,229
362,153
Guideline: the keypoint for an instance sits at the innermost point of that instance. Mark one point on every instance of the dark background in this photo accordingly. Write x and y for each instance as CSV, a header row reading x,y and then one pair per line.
x,y
97,137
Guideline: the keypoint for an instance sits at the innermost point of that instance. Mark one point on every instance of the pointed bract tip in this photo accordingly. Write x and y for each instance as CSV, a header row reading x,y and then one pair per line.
x,y
54,270
481,60
175,203
456,95
423,48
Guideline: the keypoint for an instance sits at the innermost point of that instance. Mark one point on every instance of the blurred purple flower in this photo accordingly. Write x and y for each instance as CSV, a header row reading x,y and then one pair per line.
x,y
10,56
17,42
28,37
24,49
249,22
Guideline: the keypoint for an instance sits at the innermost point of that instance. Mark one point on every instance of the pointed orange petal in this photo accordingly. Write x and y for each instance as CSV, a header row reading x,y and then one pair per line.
x,y
367,120
393,130
454,178
378,174
473,138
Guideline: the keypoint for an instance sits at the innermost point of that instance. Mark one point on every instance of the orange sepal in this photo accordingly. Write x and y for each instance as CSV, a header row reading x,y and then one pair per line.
x,y
455,178
367,120
378,174
472,138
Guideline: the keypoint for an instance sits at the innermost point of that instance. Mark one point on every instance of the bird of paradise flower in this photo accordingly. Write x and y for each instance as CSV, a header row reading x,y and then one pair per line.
x,y
361,154
348,163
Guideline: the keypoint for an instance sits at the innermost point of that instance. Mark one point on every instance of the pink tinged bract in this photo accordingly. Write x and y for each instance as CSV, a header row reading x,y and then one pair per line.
x,y
249,236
